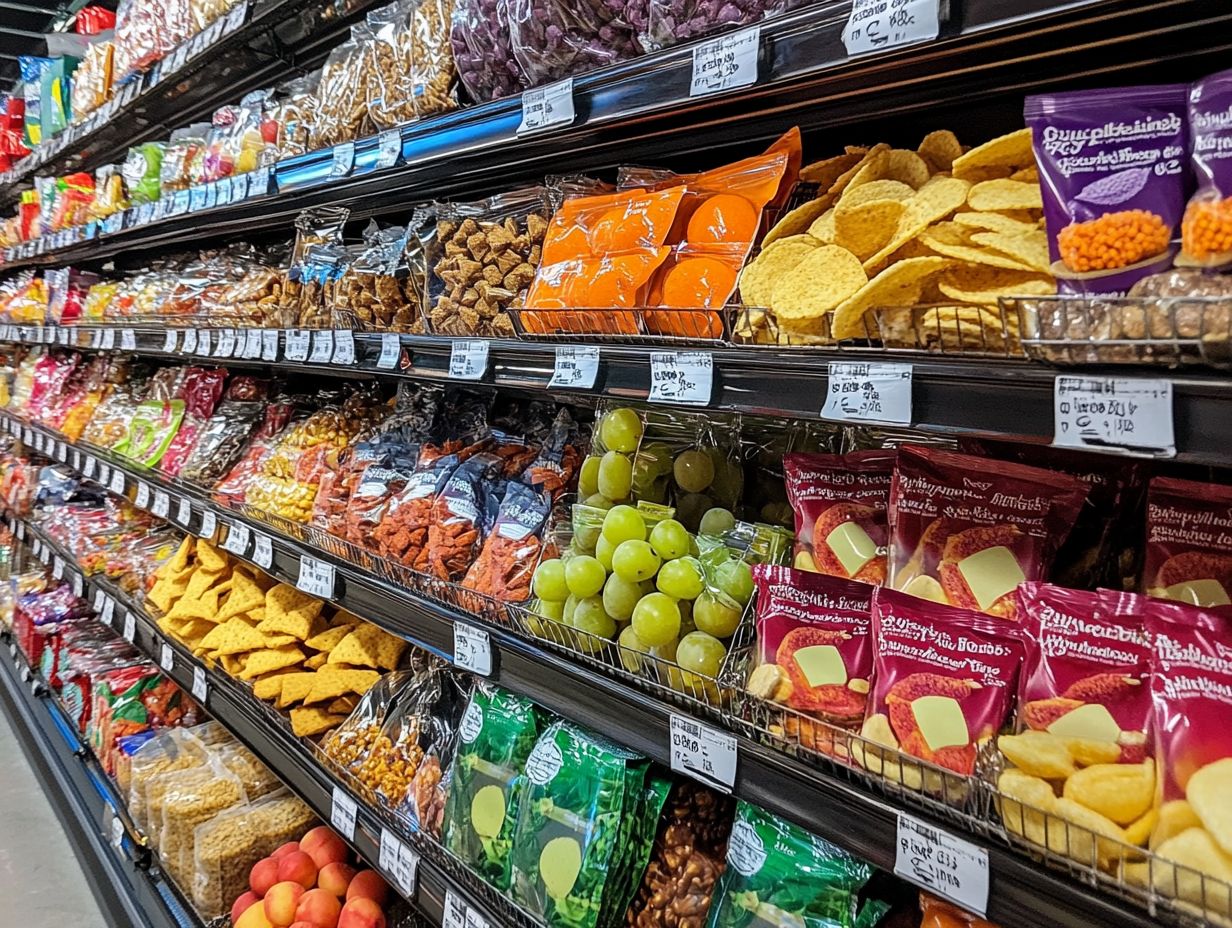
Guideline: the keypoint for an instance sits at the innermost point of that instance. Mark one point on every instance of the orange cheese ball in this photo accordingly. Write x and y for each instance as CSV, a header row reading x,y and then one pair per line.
x,y
1206,230
1113,240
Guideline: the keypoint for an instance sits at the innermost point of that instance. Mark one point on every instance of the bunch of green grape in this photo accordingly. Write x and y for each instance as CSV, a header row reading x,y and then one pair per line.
x,y
607,478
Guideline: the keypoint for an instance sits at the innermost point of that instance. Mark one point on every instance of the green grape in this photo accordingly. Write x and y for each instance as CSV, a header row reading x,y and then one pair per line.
x,y
623,523
551,609
735,578
665,665
716,521
621,430
620,596
714,617
728,483
691,507
656,619
777,513
588,477
584,576
635,560
570,606
598,501
701,653
589,617
603,553
631,647
681,578
615,476
693,471
655,458
670,539
549,582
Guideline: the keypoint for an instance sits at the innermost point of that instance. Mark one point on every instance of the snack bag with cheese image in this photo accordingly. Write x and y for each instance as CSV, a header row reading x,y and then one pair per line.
x,y
965,530
839,501
813,644
943,679
1188,555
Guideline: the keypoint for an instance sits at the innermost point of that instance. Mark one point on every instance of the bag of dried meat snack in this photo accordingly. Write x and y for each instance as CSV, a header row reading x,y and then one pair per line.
x,y
943,681
1206,229
402,532
460,516
966,531
839,501
1188,542
814,652
510,552
1112,175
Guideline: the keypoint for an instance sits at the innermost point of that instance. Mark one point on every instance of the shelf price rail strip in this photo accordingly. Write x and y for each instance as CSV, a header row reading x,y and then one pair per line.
x,y
1023,894
421,881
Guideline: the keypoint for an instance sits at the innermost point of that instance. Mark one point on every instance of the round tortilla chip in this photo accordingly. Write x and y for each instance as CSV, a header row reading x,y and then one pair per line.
x,y
907,167
968,328
873,154
1031,248
984,284
898,285
798,219
1005,194
823,228
804,295
758,278
953,241
937,199
1026,175
877,190
1011,151
863,228
940,149
995,222
825,173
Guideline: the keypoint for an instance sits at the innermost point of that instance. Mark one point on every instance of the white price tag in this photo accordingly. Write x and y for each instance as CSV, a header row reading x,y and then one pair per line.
x,y
90,464
235,18
117,482
468,360
472,649
115,829
62,451
109,339
1114,414
322,347
62,337
142,499
57,568
237,538
79,586
940,862
203,343
239,187
108,613
223,197
269,345
344,160
21,531
575,367
545,107
399,861
190,341
344,347
391,351
258,182
162,504
298,342
875,25
263,551
99,598
342,812
130,626
180,202
702,752
252,344
171,341
183,512
388,148
166,658
209,525
128,340
475,920
226,343
316,578
200,686
454,915
681,377
726,62
872,392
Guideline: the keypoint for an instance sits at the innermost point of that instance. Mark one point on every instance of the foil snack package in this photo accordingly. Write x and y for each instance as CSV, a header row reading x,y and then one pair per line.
x,y
1206,230
1188,542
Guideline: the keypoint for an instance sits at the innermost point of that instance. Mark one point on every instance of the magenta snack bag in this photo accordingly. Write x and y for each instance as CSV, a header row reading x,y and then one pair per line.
x,y
1112,174
815,630
839,501
1087,674
943,678
1206,230
1191,686
1188,542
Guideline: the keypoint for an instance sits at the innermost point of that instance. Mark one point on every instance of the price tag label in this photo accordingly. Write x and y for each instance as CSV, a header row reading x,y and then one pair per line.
x,y
109,339
344,347
57,568
726,62
258,182
90,464
391,352
343,161
298,343
545,107
940,862
237,539
62,337
875,25
322,347
142,499
21,531
180,202
875,392
183,512
99,598
399,861
128,340
454,915
115,830
342,812
162,504
1130,415
190,341
472,649
388,148
235,18
223,196
468,360
104,474
316,578
166,658
79,586
681,377
475,920
209,524
130,626
239,188
203,343
117,482
575,367
211,195
226,343
702,752
252,344
171,341
263,551
269,345
107,616
200,686
196,198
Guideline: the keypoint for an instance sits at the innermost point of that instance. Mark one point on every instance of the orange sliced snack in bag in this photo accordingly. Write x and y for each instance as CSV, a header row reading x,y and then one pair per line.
x,y
724,217
698,281
613,223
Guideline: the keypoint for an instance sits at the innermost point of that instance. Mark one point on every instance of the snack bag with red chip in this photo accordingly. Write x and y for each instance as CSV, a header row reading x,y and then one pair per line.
x,y
1188,542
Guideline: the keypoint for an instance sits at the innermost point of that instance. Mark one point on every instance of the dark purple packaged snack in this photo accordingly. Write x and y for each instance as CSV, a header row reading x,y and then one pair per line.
x,y
1112,174
483,51
1206,230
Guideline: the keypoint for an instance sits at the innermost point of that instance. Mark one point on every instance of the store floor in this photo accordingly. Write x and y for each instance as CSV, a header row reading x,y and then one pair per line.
x,y
41,884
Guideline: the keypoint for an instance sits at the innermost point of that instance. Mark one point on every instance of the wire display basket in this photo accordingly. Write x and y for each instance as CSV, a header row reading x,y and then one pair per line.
x,y
655,327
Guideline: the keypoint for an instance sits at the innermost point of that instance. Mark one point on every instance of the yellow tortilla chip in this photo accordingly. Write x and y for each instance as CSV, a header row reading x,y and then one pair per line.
x,y
984,284
233,664
295,687
1005,194
822,231
937,199
268,688
303,623
193,631
190,607
343,705
161,595
179,561
897,285
1026,175
245,595
1030,248
797,220
285,598
864,227
758,277
343,617
877,190
329,638
824,173
209,557
995,222
201,581
940,149
317,661
954,241
330,683
969,328
1011,151
260,662
821,281
368,646
233,637
306,723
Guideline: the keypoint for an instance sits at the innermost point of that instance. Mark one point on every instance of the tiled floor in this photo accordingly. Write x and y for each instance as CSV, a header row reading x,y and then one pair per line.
x,y
41,884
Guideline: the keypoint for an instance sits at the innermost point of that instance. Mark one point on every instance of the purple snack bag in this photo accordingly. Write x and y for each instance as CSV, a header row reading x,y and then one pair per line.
x,y
1112,165
1206,231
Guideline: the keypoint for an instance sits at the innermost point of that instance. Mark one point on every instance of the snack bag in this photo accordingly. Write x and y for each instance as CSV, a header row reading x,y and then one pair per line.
x,y
510,552
943,680
1188,556
1206,229
1112,175
839,501
965,531
813,647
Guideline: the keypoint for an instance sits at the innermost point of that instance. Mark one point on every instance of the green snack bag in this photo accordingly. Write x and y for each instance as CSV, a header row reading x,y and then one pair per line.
x,y
637,850
778,874
496,735
150,431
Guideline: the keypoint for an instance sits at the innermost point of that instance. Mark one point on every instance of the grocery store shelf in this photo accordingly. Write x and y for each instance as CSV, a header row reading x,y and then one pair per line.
x,y
129,894
1024,893
641,111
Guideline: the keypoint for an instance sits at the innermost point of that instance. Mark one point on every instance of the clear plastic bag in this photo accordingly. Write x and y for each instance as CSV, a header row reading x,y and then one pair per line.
x,y
434,73
188,802
295,114
92,79
554,39
390,72
184,147
342,96
671,22
483,50
172,750
142,172
377,291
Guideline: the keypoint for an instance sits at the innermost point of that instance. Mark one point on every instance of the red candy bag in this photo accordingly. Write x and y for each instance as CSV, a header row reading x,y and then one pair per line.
x,y
1188,542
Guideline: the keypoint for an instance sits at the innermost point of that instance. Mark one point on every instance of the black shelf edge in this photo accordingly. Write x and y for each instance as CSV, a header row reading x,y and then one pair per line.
x,y
641,111
1024,893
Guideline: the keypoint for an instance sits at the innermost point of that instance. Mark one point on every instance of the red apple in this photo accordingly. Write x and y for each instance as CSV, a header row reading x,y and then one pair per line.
x,y
263,875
